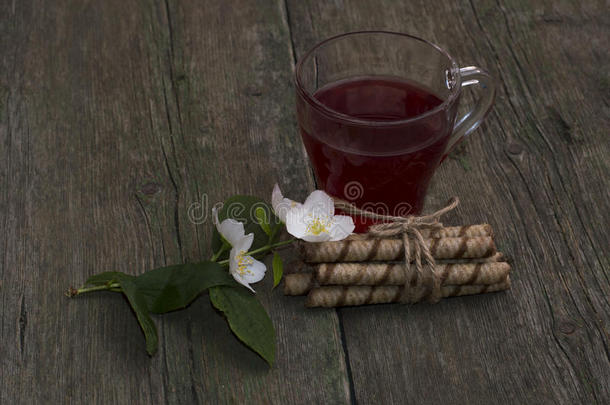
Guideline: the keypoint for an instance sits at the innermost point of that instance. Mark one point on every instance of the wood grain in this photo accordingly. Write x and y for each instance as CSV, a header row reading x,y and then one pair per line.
x,y
116,118
120,123
538,172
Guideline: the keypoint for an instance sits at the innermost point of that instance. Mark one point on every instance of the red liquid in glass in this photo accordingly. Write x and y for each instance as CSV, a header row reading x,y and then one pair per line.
x,y
382,168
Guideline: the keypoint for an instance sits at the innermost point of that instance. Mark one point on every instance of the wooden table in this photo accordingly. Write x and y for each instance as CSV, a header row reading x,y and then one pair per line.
x,y
117,116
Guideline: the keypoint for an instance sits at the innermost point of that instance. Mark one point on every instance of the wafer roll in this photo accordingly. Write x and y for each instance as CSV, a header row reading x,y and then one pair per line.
x,y
459,231
496,257
366,250
299,283
444,232
299,266
391,274
334,296
394,274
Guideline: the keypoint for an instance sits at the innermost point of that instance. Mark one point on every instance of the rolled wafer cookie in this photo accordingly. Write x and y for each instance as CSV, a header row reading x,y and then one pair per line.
x,y
394,274
460,231
299,266
335,296
365,250
496,257
444,232
391,274
299,283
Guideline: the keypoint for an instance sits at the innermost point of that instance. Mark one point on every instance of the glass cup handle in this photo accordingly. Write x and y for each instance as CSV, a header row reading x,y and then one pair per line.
x,y
473,75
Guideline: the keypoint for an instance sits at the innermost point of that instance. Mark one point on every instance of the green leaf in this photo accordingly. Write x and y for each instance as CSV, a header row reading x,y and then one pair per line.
x,y
139,306
174,287
278,269
247,319
262,220
242,208
108,277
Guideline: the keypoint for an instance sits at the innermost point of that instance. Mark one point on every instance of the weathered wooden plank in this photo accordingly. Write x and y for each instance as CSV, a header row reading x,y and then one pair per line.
x,y
236,100
538,172
115,118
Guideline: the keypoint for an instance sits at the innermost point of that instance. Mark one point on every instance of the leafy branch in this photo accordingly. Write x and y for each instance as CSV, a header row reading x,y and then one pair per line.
x,y
174,287
246,229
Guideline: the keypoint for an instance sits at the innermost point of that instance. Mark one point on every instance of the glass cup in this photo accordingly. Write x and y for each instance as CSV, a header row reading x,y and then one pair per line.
x,y
377,115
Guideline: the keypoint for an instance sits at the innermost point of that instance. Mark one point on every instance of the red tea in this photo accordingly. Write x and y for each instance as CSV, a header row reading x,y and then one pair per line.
x,y
384,164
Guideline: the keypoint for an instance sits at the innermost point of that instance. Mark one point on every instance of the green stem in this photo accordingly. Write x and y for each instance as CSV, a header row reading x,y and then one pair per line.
x,y
263,249
222,249
112,287
274,232
272,246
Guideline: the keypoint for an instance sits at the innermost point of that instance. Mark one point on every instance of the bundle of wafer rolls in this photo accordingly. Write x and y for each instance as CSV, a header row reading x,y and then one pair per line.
x,y
364,270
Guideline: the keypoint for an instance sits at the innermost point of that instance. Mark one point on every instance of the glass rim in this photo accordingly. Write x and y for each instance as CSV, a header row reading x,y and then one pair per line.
x,y
315,103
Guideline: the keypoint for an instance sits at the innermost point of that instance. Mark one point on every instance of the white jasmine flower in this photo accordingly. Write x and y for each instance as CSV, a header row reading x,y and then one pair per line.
x,y
244,269
314,220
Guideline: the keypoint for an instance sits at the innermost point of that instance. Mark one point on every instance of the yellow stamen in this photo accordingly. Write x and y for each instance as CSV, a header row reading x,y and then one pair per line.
x,y
318,225
243,263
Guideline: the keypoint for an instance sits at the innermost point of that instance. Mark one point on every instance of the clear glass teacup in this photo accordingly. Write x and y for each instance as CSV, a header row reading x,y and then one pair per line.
x,y
377,112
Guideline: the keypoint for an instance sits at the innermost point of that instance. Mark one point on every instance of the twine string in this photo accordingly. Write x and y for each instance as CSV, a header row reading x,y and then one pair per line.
x,y
425,281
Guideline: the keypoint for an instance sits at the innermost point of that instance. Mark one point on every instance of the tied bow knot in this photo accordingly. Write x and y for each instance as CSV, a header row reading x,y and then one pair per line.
x,y
424,281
